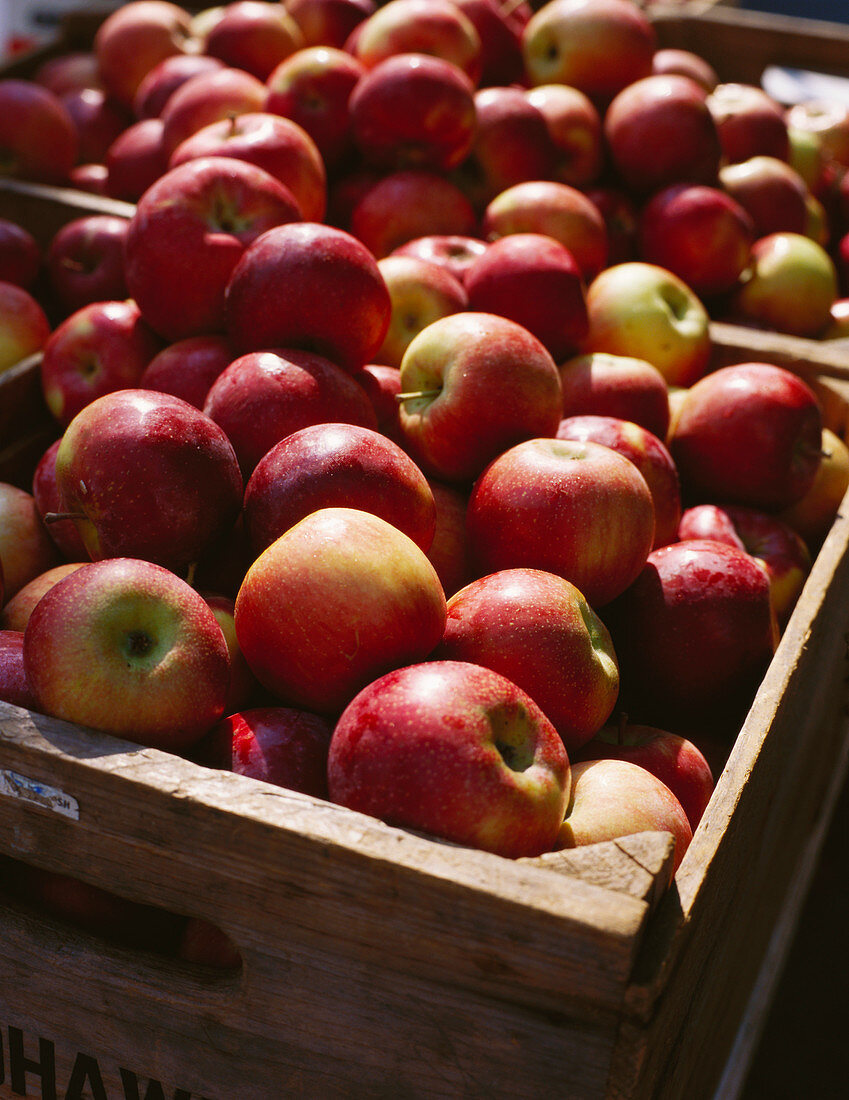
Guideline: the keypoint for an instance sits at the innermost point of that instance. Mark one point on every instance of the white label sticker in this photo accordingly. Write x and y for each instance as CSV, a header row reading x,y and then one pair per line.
x,y
50,798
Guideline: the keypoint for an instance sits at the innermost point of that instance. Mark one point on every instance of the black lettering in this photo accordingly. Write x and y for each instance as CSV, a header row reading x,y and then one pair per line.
x,y
86,1071
153,1089
20,1066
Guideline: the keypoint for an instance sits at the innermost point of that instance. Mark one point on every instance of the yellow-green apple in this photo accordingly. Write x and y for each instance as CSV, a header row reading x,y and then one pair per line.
x,y
206,98
98,120
253,36
336,601
499,28
808,157
750,433
38,138
643,310
20,255
828,121
574,125
26,550
580,510
818,222
673,59
454,750
413,111
619,211
474,384
312,87
694,635
280,146
135,160
309,286
555,209
436,28
85,261
68,70
337,465
613,798
453,251
102,347
411,203
148,475
127,647
243,687
14,686
600,384
538,630
24,326
329,22
659,131
166,77
770,190
16,612
534,280
750,123
382,384
187,235
131,40
699,233
813,515
648,453
264,396
781,551
597,46
449,551
45,493
187,368
673,759
790,285
421,292
280,745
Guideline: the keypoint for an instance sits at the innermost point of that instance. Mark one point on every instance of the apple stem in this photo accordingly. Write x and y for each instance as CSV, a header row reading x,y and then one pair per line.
x,y
233,128
413,395
54,517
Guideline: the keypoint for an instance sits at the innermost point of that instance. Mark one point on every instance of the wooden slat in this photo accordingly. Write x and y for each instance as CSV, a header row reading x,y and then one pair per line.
x,y
43,209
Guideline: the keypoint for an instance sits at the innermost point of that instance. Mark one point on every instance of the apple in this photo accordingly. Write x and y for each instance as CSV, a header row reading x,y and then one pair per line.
x,y
555,209
597,46
449,550
453,251
312,87
574,126
699,233
206,98
750,434
660,131
694,635
648,453
243,687
91,178
45,493
413,111
39,141
253,36
421,292
102,347
148,476
673,59
16,612
580,510
499,28
264,396
642,310
808,157
166,77
408,204
673,759
26,549
382,384
473,384
329,22
309,286
828,121
455,750
127,647
534,280
773,193
600,384
619,211
188,233
14,686
187,368
135,160
337,465
336,601
613,798
749,122
790,285
279,745
538,630
24,326
20,255
813,515
98,120
85,261
68,71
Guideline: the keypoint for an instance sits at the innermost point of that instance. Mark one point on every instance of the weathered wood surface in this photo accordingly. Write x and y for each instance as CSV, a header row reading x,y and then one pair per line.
x,y
43,209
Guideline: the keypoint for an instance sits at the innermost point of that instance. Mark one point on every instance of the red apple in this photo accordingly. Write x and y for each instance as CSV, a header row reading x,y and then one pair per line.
x,y
14,686
68,71
499,28
749,122
579,510
132,40
91,178
453,251
20,255
98,120
449,551
329,22
187,368
619,211
166,77
336,601
600,384
574,125
382,384
773,193
206,98
85,261
135,160
243,687
16,612
24,327
813,515
26,550
455,750
38,139
45,493
253,36
421,293
828,121
673,59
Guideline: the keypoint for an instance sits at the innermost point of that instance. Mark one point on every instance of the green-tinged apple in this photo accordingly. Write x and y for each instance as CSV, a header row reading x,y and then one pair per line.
x,y
751,434
147,475
455,750
600,384
127,647
336,601
640,309
538,630
813,515
474,384
132,40
244,688
421,292
580,510
828,121
24,326
15,614
26,549
614,798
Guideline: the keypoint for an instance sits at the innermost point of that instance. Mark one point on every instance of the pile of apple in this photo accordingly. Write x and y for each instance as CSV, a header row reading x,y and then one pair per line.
x,y
387,470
